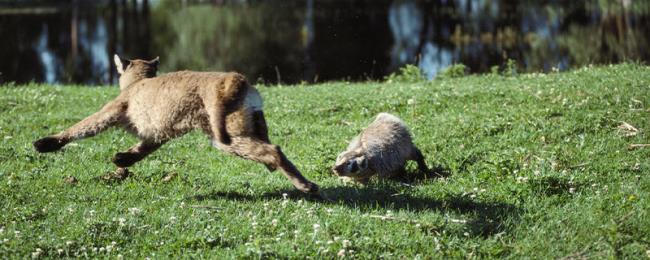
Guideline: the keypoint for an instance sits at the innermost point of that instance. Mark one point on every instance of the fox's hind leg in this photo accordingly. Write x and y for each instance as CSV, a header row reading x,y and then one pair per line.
x,y
261,132
228,99
108,116
260,127
273,157
136,153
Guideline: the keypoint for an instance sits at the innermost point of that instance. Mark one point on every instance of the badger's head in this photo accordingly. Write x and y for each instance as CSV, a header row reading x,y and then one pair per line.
x,y
351,164
134,70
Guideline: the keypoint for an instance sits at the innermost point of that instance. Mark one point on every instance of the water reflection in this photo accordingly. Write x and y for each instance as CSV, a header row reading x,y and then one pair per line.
x,y
307,40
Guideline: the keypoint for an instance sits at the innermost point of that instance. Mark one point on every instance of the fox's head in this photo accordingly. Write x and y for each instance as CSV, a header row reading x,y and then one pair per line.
x,y
133,70
351,164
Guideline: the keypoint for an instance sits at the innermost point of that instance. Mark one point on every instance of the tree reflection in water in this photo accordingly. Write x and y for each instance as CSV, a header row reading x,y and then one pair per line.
x,y
307,40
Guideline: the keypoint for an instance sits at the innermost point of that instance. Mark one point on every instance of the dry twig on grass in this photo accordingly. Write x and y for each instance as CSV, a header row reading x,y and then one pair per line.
x,y
627,130
635,146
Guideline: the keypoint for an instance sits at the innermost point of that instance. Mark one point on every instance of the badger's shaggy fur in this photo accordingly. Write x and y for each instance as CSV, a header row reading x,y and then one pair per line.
x,y
381,149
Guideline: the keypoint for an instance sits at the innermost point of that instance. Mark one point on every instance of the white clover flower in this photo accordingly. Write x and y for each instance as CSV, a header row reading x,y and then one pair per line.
x,y
134,211
346,243
274,222
316,227
37,253
341,253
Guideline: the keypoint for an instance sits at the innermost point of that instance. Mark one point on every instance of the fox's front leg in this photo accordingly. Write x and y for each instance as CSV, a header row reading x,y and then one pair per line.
x,y
108,116
136,153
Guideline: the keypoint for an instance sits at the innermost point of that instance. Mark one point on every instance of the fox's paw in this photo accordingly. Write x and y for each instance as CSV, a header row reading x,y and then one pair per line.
x,y
125,159
48,144
309,187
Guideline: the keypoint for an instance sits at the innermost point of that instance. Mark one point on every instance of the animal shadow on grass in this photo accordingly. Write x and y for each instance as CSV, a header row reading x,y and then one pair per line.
x,y
413,176
480,218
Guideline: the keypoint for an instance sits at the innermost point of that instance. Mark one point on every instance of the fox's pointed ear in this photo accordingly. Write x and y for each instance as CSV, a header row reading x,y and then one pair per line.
x,y
155,62
120,63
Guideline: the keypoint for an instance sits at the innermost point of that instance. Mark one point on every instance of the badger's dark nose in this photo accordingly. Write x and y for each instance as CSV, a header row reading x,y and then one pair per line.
x,y
354,167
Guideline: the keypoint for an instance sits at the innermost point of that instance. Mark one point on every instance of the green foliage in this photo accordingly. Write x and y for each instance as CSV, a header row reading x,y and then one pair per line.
x,y
536,167
229,37
511,68
407,74
454,71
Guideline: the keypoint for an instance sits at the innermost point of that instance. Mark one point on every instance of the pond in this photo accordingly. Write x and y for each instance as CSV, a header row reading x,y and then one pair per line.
x,y
313,41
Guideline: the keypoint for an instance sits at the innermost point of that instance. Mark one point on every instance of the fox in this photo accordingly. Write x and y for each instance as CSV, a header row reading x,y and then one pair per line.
x,y
381,149
157,109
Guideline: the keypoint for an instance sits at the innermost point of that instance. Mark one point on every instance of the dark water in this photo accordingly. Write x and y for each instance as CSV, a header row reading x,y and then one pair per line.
x,y
293,41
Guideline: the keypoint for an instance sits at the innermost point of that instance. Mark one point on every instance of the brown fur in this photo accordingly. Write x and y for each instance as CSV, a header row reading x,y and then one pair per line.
x,y
157,109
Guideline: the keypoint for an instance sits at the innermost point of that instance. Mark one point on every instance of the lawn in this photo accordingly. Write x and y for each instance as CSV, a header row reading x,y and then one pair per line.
x,y
533,165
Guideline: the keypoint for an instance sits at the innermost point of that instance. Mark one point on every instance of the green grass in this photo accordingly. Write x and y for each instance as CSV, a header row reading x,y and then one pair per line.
x,y
537,168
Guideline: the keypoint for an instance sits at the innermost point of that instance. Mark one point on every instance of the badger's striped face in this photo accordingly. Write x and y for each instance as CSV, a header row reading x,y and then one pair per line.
x,y
351,164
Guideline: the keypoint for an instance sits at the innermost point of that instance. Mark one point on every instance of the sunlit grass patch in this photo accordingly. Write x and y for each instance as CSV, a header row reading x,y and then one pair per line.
x,y
537,165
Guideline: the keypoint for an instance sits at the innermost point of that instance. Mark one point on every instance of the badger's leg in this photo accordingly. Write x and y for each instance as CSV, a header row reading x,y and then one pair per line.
x,y
108,116
272,156
136,153
419,158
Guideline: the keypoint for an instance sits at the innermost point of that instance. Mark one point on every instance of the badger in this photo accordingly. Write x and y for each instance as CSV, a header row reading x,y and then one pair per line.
x,y
381,149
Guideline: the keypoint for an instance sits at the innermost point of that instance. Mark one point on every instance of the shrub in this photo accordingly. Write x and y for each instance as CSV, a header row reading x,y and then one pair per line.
x,y
407,74
454,71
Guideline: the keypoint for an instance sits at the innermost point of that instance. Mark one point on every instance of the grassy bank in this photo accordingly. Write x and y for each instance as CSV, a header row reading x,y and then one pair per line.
x,y
537,166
